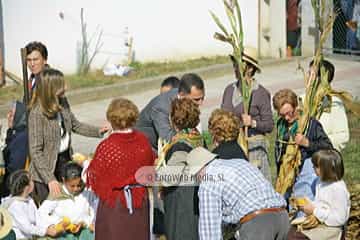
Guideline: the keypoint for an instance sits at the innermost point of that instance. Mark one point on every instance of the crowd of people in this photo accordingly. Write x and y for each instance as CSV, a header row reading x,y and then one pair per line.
x,y
47,195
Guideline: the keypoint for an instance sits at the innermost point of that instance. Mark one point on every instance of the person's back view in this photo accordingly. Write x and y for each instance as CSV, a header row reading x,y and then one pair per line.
x,y
16,149
334,121
335,124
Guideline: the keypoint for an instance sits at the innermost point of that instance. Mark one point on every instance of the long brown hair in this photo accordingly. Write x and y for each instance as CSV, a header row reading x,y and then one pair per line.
x,y
50,83
330,163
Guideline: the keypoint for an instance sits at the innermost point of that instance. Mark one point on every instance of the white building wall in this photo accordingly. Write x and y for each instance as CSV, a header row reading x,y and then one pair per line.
x,y
162,29
278,29
307,29
264,31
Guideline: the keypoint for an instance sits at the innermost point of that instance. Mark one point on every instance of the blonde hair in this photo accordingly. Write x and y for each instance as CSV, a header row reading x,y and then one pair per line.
x,y
122,113
50,83
224,126
285,96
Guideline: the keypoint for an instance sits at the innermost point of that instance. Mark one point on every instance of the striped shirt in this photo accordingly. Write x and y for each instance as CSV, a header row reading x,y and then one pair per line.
x,y
231,189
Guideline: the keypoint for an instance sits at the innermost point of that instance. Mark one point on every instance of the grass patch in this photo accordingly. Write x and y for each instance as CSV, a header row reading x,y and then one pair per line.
x,y
11,93
351,152
141,70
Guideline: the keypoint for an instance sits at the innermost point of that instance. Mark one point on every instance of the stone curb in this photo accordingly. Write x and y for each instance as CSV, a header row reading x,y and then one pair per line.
x,y
79,96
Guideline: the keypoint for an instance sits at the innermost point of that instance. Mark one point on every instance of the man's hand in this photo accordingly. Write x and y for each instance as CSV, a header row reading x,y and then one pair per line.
x,y
352,25
246,120
54,188
301,140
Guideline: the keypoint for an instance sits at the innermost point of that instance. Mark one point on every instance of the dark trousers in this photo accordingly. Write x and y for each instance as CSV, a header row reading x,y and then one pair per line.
x,y
40,193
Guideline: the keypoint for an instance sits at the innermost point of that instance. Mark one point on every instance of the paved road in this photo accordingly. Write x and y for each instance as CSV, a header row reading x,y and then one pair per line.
x,y
274,77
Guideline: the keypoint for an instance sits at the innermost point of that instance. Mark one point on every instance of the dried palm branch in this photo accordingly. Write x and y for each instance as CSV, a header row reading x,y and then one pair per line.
x,y
235,37
315,91
318,95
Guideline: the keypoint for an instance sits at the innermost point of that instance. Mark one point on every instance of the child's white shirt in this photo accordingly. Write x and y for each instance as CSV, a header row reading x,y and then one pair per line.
x,y
79,208
332,203
24,215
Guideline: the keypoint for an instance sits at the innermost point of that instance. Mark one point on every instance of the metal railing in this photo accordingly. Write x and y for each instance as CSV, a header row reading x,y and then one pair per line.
x,y
344,40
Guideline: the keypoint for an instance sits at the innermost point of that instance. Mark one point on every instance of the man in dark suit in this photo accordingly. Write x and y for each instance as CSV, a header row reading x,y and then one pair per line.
x,y
154,119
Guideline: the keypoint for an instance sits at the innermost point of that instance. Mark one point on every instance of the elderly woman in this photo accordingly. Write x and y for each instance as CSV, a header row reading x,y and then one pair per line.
x,y
111,175
180,202
259,119
241,201
224,127
285,102
51,123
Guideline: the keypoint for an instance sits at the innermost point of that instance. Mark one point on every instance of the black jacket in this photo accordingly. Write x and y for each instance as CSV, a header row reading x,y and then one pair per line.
x,y
230,150
318,140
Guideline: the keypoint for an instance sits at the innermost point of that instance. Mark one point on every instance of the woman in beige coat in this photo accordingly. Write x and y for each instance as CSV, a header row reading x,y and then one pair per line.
x,y
50,125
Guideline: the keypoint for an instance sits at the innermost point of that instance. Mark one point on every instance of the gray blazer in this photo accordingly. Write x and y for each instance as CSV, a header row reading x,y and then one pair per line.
x,y
44,141
154,119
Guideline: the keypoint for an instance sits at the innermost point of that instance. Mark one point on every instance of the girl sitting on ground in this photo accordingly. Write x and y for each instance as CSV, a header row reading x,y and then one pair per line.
x,y
72,211
331,206
22,208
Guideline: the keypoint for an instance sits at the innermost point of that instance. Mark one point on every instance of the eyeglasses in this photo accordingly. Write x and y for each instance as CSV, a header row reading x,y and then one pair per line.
x,y
289,114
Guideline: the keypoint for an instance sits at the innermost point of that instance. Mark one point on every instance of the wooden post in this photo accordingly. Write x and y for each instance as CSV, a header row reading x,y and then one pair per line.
x,y
25,76
26,98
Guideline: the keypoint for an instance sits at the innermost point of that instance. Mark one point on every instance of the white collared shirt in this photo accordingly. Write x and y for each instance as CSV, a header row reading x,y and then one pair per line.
x,y
24,215
80,208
